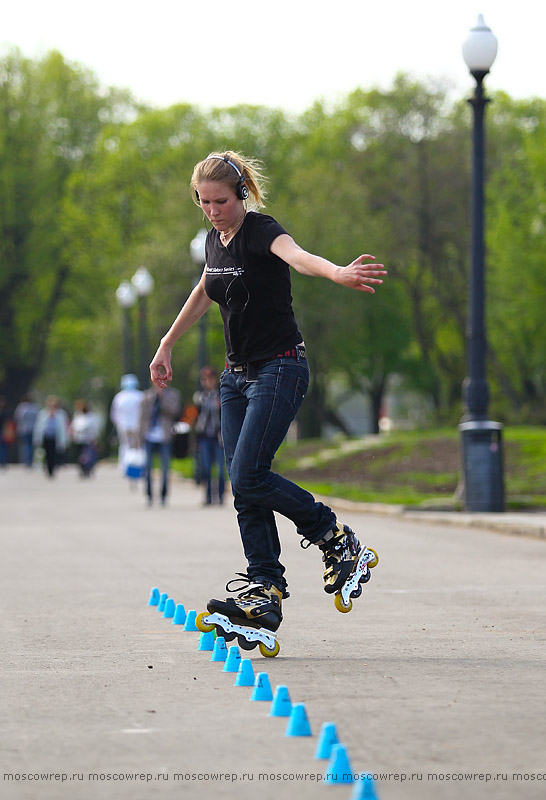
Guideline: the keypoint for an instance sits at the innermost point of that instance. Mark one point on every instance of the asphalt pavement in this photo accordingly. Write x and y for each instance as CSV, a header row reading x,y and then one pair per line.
x,y
434,681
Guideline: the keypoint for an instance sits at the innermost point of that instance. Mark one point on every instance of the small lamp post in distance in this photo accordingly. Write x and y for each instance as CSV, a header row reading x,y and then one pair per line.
x,y
197,254
144,285
126,298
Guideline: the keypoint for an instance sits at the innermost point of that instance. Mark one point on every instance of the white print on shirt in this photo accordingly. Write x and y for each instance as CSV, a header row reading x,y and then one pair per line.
x,y
230,270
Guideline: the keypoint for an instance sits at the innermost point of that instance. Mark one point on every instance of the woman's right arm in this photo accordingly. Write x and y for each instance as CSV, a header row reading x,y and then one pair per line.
x,y
197,304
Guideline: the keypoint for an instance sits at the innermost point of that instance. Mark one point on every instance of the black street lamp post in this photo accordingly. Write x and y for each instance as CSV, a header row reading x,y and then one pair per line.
x,y
481,438
144,284
126,298
197,253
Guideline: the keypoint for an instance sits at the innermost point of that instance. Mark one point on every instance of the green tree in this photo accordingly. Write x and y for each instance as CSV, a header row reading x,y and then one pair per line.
x,y
92,186
51,114
382,173
131,205
413,168
516,227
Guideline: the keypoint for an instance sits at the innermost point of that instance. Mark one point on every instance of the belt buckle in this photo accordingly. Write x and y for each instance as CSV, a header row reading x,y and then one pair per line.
x,y
239,368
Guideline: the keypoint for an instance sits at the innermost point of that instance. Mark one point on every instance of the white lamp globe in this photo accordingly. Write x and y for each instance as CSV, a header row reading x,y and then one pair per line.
x,y
143,282
480,47
126,294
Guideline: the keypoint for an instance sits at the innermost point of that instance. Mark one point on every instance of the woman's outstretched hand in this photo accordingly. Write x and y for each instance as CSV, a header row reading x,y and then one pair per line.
x,y
359,275
160,367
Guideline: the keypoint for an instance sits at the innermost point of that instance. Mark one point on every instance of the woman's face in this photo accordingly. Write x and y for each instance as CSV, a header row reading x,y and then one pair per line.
x,y
220,204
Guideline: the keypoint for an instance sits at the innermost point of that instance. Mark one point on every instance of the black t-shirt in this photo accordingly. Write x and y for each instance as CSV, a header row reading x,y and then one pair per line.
x,y
252,287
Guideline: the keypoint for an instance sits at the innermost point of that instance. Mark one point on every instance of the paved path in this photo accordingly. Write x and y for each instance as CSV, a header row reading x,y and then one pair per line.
x,y
438,672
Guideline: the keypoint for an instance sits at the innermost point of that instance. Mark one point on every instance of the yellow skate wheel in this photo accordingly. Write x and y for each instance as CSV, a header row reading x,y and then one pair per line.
x,y
340,605
375,561
202,626
269,652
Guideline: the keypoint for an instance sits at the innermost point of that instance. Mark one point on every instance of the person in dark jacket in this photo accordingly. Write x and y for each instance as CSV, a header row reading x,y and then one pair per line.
x,y
159,410
209,435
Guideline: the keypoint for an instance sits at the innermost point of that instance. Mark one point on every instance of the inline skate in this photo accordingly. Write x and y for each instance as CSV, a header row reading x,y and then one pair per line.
x,y
253,617
347,566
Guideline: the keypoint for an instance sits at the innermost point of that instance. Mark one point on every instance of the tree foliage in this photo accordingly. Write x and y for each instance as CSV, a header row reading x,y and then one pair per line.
x,y
51,114
93,186
517,250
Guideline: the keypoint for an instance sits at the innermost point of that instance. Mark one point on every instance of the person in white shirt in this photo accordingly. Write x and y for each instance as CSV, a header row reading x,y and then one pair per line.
x,y
84,431
125,414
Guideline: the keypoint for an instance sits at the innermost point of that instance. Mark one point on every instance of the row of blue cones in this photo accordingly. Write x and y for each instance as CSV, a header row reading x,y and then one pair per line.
x,y
339,768
171,610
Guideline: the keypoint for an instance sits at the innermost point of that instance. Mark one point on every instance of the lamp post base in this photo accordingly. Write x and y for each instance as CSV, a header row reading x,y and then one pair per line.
x,y
481,448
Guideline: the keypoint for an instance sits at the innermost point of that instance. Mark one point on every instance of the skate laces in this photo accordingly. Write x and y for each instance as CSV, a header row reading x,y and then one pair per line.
x,y
337,535
248,588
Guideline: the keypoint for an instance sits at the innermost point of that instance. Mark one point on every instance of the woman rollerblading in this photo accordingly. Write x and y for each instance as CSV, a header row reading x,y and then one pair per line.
x,y
247,272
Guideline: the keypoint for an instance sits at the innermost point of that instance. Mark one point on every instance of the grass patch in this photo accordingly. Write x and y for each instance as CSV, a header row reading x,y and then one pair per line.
x,y
184,467
406,467
416,467
360,494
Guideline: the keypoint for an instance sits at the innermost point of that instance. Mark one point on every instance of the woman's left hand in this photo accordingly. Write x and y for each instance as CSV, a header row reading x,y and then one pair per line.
x,y
358,275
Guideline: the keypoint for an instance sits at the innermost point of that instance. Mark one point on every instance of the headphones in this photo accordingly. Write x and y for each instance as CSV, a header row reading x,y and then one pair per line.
x,y
241,190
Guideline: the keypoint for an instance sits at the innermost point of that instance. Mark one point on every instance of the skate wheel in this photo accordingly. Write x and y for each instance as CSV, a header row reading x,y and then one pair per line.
x,y
203,626
375,561
357,592
269,652
366,577
340,605
244,644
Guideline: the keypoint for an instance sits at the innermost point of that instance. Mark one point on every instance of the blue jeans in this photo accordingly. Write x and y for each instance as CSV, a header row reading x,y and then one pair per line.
x,y
255,419
164,449
26,449
210,453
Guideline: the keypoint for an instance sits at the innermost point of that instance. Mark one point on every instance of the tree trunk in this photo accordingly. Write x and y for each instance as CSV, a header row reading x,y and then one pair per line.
x,y
19,377
313,414
377,390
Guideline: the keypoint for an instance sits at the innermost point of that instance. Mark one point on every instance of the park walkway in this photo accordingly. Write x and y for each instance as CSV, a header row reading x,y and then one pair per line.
x,y
437,673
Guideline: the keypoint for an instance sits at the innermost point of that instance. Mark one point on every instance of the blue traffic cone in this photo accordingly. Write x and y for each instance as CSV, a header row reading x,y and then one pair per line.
x,y
233,659
154,597
262,687
162,601
298,724
219,652
327,739
364,788
281,705
179,615
189,624
168,613
206,641
245,675
339,769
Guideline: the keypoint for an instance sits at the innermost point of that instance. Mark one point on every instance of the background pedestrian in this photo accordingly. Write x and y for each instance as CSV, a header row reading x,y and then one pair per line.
x,y
209,435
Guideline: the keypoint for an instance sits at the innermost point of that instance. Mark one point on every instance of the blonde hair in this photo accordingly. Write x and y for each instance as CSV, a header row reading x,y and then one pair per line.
x,y
217,167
